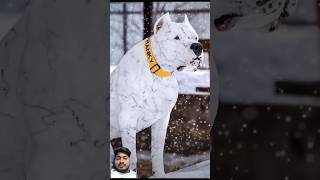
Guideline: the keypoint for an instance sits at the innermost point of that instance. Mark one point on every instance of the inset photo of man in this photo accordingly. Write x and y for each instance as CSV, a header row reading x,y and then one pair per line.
x,y
121,164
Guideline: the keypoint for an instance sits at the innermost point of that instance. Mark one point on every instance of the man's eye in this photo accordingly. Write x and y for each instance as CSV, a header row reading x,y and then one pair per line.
x,y
177,38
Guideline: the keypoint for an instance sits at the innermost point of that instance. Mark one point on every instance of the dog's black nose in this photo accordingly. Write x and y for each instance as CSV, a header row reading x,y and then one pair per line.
x,y
196,48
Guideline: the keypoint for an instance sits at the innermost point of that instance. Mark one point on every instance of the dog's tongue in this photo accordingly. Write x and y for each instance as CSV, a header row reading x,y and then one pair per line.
x,y
180,68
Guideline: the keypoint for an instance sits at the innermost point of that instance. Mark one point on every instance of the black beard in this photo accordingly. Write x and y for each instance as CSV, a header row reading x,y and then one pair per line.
x,y
122,170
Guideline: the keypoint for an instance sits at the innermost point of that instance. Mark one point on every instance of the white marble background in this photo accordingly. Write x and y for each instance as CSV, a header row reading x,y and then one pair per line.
x,y
52,92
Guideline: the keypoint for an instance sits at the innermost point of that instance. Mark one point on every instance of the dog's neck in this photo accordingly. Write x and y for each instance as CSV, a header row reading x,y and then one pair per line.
x,y
161,57
155,67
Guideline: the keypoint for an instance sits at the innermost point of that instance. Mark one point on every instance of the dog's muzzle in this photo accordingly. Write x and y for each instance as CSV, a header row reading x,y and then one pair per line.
x,y
196,62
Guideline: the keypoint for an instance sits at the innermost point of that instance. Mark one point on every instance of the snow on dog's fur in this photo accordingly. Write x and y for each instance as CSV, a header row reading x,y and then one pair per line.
x,y
140,98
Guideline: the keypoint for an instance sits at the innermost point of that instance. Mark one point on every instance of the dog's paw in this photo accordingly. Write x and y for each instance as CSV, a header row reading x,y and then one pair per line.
x,y
159,174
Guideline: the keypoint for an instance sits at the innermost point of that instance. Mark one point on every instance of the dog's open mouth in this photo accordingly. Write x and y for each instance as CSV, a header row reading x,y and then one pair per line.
x,y
180,68
226,22
197,58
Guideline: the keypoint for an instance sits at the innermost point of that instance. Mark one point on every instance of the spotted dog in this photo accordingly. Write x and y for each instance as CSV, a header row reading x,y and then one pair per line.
x,y
239,14
144,89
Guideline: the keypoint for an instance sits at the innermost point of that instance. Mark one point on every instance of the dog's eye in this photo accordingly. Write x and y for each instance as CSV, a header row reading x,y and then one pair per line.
x,y
177,38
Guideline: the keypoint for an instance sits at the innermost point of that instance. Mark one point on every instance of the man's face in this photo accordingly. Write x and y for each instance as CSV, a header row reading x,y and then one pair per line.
x,y
122,162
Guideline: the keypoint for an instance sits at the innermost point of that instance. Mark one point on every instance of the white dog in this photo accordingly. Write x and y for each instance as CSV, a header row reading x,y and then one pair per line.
x,y
144,89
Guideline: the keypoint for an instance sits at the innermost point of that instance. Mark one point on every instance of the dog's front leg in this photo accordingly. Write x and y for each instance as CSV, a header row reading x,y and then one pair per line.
x,y
158,137
128,138
128,121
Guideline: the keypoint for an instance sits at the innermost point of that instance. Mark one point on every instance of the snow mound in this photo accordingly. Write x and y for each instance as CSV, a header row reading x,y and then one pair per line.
x,y
199,170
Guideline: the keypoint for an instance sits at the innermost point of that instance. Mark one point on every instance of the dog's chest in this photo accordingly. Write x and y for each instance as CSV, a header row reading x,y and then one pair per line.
x,y
157,100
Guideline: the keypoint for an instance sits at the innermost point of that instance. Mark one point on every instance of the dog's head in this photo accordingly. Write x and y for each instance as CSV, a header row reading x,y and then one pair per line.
x,y
179,43
239,14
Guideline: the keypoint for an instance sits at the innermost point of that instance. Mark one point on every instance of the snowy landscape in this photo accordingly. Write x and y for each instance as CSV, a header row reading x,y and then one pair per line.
x,y
193,166
179,161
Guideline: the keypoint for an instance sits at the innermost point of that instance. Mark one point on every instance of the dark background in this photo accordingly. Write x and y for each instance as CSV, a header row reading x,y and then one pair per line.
x,y
268,121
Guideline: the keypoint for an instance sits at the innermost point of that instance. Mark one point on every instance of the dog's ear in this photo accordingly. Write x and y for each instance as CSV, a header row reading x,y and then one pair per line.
x,y
161,22
186,20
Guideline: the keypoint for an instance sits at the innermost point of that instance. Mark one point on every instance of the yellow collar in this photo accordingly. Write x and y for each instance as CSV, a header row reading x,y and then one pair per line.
x,y
154,66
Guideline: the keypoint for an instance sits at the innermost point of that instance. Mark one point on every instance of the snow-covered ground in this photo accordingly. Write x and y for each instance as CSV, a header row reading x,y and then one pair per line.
x,y
193,166
199,170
